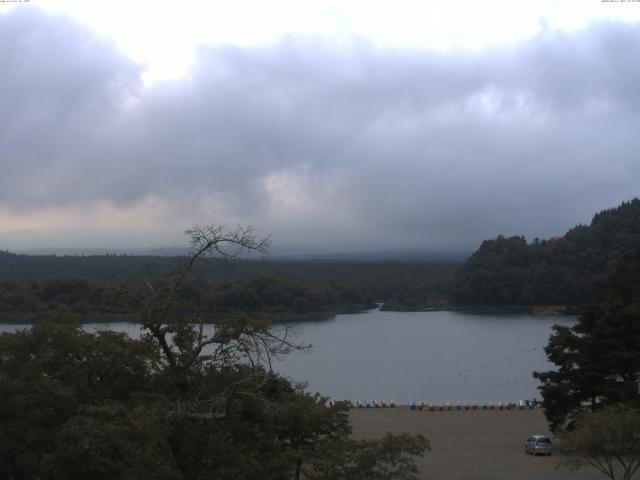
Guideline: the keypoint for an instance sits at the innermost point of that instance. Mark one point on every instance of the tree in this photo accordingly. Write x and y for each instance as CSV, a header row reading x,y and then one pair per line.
x,y
609,440
176,404
598,362
48,374
598,358
166,315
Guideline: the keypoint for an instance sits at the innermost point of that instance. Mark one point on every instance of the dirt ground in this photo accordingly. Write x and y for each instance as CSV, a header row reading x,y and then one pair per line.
x,y
472,445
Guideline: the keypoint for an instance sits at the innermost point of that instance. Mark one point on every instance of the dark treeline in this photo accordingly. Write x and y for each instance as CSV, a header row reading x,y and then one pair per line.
x,y
289,290
571,270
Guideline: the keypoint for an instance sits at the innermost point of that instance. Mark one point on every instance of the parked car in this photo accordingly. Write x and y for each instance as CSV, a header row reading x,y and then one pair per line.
x,y
538,445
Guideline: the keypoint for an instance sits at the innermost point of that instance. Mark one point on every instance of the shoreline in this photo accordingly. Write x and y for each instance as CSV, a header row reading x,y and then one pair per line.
x,y
278,318
536,310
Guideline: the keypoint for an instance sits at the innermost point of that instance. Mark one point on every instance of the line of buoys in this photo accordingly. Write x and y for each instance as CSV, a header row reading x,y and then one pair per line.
x,y
496,361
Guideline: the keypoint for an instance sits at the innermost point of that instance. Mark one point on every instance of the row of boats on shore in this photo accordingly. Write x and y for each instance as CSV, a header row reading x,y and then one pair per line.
x,y
521,405
433,407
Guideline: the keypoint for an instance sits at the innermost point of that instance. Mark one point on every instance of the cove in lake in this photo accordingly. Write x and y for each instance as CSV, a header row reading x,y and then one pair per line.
x,y
416,356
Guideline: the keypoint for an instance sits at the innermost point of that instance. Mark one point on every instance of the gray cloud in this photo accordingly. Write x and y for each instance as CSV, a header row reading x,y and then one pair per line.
x,y
352,145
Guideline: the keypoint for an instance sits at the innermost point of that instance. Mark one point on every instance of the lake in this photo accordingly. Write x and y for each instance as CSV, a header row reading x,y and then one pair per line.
x,y
416,356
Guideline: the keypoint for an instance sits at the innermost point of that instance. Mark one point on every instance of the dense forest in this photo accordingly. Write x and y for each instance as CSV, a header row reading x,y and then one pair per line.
x,y
91,286
572,270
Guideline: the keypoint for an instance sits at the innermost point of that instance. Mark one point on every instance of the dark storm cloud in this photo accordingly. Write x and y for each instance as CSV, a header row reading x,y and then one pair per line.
x,y
323,143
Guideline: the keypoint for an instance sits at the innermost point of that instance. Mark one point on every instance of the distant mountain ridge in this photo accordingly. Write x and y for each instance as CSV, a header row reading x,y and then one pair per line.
x,y
569,270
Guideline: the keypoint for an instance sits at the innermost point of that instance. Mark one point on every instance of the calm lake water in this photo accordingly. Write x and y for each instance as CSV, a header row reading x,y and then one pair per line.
x,y
416,356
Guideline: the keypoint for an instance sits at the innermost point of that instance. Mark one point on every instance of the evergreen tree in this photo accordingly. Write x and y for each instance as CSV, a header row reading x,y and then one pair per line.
x,y
598,359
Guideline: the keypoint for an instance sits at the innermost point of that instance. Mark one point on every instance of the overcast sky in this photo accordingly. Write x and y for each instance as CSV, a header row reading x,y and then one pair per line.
x,y
330,125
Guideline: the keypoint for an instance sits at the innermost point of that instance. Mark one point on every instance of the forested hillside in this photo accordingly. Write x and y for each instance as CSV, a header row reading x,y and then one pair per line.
x,y
570,270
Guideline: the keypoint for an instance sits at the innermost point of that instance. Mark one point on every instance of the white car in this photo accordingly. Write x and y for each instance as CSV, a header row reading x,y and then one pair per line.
x,y
538,445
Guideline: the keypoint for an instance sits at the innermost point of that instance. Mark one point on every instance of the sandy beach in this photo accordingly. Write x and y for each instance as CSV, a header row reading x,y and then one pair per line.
x,y
472,445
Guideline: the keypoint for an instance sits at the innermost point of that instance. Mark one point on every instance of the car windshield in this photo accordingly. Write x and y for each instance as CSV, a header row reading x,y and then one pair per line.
x,y
543,441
